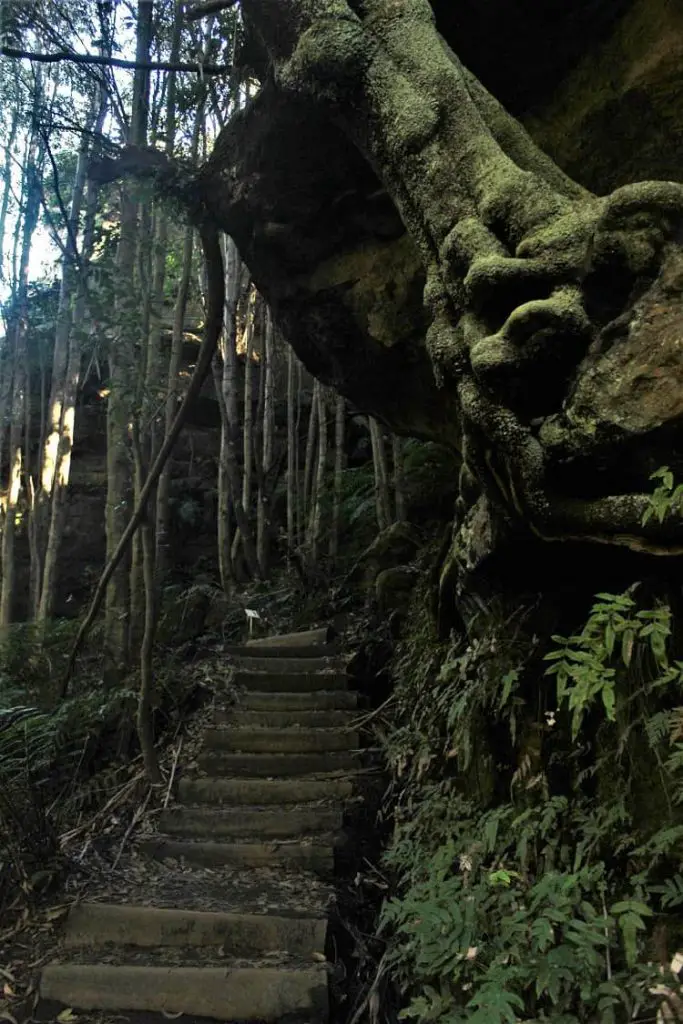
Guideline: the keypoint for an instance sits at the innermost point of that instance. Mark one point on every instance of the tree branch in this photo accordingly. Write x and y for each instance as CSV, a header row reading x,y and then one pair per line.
x,y
203,10
84,58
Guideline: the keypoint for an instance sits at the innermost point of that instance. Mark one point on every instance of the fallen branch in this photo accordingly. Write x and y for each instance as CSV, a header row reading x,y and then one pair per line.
x,y
173,771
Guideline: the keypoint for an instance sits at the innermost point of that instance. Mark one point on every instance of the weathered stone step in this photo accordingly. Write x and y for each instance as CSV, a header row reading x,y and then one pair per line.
x,y
280,741
319,636
292,666
290,682
220,763
246,653
334,719
262,791
208,822
238,934
320,700
242,993
317,856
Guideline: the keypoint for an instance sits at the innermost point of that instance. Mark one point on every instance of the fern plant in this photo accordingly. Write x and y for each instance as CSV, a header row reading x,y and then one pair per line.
x,y
514,897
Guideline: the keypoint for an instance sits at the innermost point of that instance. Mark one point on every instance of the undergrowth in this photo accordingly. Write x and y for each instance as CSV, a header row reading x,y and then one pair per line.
x,y
536,800
62,760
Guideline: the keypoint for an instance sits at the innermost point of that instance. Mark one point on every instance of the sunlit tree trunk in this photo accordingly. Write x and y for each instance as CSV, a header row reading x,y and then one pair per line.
x,y
379,459
58,504
57,447
339,464
16,340
7,180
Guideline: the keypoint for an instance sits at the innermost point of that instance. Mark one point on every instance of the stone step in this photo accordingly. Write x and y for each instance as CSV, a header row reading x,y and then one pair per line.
x,y
317,856
246,653
285,719
211,823
320,700
218,764
280,741
245,792
237,994
283,666
319,636
290,682
237,934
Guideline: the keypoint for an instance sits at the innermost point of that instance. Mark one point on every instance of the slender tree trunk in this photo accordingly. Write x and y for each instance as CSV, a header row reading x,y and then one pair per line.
x,y
58,505
7,181
308,462
292,442
268,421
399,497
298,506
17,329
315,520
379,458
339,465
163,508
226,390
140,416
248,422
121,369
57,446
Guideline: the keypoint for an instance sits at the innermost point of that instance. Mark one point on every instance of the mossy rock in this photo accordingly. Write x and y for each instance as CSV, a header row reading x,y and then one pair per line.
x,y
393,588
394,546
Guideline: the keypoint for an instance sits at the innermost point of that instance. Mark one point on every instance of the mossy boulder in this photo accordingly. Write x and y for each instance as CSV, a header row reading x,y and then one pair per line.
x,y
395,546
393,588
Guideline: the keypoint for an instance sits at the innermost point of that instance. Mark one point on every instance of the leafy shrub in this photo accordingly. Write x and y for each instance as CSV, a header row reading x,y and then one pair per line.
x,y
529,860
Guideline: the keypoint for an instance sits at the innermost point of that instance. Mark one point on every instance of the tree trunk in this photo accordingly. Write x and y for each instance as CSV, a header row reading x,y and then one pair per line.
x,y
379,461
121,369
16,343
7,182
163,508
268,427
308,464
66,367
292,441
339,466
318,489
397,459
226,392
248,421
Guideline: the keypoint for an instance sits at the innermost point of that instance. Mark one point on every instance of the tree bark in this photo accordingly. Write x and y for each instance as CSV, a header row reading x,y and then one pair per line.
x,y
121,369
16,343
318,485
67,402
379,461
268,427
339,466
292,485
397,460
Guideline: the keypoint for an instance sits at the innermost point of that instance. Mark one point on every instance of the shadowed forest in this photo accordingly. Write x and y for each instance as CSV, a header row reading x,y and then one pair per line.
x,y
348,331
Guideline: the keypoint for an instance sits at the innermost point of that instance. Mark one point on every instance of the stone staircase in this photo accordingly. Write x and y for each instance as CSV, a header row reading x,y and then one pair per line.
x,y
265,816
